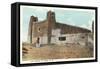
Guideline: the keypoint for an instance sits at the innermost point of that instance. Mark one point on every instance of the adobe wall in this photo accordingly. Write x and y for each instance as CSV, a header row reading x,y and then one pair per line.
x,y
79,38
68,29
38,30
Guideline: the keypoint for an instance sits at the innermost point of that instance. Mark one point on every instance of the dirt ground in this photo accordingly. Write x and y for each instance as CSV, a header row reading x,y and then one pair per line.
x,y
56,52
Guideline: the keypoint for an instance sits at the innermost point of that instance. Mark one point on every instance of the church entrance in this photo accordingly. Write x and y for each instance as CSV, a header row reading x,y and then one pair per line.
x,y
38,42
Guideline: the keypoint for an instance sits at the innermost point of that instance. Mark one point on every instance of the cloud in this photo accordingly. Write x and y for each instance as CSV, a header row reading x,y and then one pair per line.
x,y
70,21
87,26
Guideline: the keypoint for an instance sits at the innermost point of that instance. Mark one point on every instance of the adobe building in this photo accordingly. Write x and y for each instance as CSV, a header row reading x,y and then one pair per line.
x,y
49,31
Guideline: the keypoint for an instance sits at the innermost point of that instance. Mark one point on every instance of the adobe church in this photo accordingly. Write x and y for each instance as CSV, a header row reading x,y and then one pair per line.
x,y
49,31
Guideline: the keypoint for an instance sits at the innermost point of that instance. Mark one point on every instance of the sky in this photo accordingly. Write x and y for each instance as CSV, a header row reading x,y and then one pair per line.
x,y
77,17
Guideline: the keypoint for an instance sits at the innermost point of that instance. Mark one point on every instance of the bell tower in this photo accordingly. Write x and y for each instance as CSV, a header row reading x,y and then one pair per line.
x,y
51,16
33,19
51,24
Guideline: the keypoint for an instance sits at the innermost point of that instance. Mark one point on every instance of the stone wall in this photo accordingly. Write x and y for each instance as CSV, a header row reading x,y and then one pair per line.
x,y
78,38
69,29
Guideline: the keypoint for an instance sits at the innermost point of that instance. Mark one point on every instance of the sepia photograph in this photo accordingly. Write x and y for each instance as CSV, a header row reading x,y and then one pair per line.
x,y
56,34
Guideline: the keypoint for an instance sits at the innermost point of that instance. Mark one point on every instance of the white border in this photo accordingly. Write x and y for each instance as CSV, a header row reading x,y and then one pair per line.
x,y
51,60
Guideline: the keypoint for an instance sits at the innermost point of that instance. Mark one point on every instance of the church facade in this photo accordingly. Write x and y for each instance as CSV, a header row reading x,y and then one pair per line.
x,y
49,31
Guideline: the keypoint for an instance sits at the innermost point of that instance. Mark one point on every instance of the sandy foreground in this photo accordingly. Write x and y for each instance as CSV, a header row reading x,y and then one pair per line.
x,y
56,52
